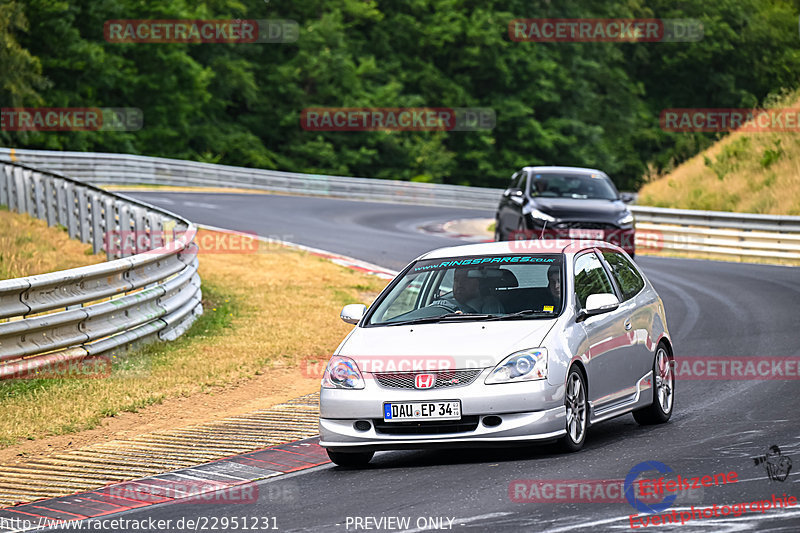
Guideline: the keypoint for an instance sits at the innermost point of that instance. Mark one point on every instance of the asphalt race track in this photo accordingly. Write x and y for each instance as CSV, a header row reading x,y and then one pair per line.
x,y
380,233
713,308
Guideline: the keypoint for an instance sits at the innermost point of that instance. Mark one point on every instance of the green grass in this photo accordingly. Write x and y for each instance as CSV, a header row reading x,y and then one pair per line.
x,y
756,172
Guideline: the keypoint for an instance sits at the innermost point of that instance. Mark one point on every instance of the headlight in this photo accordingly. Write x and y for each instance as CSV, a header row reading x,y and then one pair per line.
x,y
526,365
626,219
342,373
535,213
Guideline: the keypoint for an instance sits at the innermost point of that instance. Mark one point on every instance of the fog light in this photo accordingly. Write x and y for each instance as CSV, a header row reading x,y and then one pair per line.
x,y
362,425
492,421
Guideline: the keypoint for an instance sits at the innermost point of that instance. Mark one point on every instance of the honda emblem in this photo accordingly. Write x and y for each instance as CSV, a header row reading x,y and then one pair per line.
x,y
424,381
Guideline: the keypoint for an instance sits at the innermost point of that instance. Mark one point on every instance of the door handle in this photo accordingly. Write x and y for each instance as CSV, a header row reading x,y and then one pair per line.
x,y
628,325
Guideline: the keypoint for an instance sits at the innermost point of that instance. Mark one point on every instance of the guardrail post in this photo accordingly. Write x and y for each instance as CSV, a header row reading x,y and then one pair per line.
x,y
5,178
124,229
27,188
157,237
72,222
96,206
140,225
110,228
17,197
50,201
61,199
38,195
84,222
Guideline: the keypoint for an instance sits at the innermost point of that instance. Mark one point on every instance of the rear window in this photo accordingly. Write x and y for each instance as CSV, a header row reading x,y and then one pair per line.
x,y
627,277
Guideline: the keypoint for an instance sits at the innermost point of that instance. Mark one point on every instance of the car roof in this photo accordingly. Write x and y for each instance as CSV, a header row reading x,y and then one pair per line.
x,y
529,247
575,170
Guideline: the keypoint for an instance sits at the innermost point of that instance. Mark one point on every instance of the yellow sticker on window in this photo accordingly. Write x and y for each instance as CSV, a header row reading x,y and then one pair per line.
x,y
547,308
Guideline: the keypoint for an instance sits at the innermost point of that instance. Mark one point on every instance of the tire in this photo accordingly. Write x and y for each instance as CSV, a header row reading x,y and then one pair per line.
x,y
660,410
498,235
576,403
350,459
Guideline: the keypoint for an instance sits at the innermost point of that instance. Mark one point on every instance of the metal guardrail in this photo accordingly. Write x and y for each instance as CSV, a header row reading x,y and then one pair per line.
x,y
132,169
148,290
727,235
723,234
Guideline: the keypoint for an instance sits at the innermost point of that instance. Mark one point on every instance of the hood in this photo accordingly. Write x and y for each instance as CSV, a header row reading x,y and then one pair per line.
x,y
440,346
582,209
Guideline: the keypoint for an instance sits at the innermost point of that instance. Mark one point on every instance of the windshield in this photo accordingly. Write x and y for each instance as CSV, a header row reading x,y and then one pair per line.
x,y
584,186
474,288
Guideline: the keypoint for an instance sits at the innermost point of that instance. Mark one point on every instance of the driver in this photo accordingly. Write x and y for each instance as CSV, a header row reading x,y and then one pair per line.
x,y
554,289
467,297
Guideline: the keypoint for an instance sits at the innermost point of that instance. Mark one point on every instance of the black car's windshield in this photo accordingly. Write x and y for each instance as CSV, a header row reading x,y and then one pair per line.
x,y
573,185
497,287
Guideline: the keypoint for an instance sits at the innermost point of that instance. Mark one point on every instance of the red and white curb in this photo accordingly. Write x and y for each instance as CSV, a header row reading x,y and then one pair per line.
x,y
230,480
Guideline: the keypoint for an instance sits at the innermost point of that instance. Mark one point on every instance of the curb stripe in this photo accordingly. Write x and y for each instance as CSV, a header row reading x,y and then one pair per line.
x,y
147,491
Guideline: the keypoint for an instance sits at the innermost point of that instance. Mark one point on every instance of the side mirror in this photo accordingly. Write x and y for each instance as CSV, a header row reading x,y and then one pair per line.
x,y
626,197
597,304
518,197
353,313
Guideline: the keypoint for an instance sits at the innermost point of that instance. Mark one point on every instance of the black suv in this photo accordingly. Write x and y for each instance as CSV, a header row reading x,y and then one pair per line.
x,y
564,203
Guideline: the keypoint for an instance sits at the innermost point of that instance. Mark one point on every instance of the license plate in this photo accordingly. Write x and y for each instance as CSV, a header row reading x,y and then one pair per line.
x,y
435,410
596,234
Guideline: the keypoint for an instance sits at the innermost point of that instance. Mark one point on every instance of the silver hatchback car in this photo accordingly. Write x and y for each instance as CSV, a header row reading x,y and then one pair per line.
x,y
501,342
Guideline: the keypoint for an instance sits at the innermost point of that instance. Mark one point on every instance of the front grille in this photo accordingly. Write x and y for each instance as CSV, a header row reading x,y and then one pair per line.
x,y
577,224
433,427
444,378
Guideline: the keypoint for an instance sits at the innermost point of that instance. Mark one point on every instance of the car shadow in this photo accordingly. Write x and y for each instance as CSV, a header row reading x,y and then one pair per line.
x,y
610,434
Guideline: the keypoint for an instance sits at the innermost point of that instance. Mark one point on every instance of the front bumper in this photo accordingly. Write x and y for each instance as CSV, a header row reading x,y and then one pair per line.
x,y
528,411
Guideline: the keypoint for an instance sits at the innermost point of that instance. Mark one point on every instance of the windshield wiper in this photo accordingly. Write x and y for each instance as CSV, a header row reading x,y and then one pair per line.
x,y
522,314
449,317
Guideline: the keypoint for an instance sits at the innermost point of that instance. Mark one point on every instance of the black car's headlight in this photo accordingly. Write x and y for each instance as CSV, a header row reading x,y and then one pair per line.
x,y
525,365
626,219
537,215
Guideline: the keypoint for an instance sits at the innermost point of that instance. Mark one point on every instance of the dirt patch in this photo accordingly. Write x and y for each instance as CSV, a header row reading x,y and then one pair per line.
x,y
271,388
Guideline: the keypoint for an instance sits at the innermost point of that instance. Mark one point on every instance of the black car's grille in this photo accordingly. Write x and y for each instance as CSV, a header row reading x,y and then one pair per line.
x,y
433,427
577,224
444,378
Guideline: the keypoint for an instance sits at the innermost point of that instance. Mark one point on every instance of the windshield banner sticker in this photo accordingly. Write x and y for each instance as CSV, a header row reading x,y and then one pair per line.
x,y
481,260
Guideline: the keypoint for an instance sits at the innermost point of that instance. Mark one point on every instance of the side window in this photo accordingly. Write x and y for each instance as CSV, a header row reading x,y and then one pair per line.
x,y
590,278
406,298
522,182
515,180
628,278
445,284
